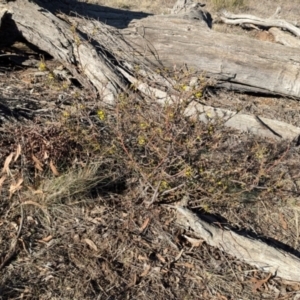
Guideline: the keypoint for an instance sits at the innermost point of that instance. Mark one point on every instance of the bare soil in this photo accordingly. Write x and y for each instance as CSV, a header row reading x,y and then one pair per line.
x,y
86,190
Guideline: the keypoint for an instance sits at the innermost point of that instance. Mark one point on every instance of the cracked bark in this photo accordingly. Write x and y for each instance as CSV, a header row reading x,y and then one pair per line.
x,y
234,62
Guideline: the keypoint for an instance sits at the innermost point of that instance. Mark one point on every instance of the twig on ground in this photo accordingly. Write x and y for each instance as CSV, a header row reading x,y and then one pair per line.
x,y
12,250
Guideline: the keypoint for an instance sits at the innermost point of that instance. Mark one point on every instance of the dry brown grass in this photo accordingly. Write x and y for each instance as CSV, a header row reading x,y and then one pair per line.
x,y
250,6
102,228
155,6
228,4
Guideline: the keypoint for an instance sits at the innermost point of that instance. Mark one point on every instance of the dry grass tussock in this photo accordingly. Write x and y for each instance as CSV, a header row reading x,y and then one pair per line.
x,y
86,194
165,6
228,4
154,6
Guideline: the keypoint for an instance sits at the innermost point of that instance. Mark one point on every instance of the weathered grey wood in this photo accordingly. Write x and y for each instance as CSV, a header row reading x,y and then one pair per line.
x,y
235,62
269,128
233,19
253,252
188,9
46,31
241,61
162,41
157,41
260,126
285,38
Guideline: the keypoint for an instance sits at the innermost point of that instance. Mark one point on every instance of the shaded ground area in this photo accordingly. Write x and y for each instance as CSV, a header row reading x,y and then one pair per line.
x,y
87,192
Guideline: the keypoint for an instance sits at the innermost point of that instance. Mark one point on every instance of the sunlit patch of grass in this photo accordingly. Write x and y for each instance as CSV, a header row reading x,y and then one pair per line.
x,y
155,6
228,4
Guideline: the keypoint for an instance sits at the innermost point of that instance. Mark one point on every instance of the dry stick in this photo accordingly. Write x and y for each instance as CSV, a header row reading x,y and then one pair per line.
x,y
154,195
173,189
12,250
279,159
233,19
162,161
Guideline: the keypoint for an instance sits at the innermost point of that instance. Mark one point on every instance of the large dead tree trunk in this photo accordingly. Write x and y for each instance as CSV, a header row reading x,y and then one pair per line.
x,y
235,62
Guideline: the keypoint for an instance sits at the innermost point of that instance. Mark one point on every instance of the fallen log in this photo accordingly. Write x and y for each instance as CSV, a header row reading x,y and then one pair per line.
x,y
104,58
235,62
56,37
247,123
284,38
249,250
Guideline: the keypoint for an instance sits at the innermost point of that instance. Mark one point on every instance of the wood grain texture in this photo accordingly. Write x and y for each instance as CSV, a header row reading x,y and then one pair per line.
x,y
247,123
249,250
43,29
284,38
236,61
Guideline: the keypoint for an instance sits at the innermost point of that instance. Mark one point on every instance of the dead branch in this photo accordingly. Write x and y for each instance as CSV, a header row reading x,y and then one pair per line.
x,y
233,19
251,124
251,251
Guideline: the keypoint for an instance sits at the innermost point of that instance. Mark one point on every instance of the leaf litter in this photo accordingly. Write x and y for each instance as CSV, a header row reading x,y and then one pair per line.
x,y
99,232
